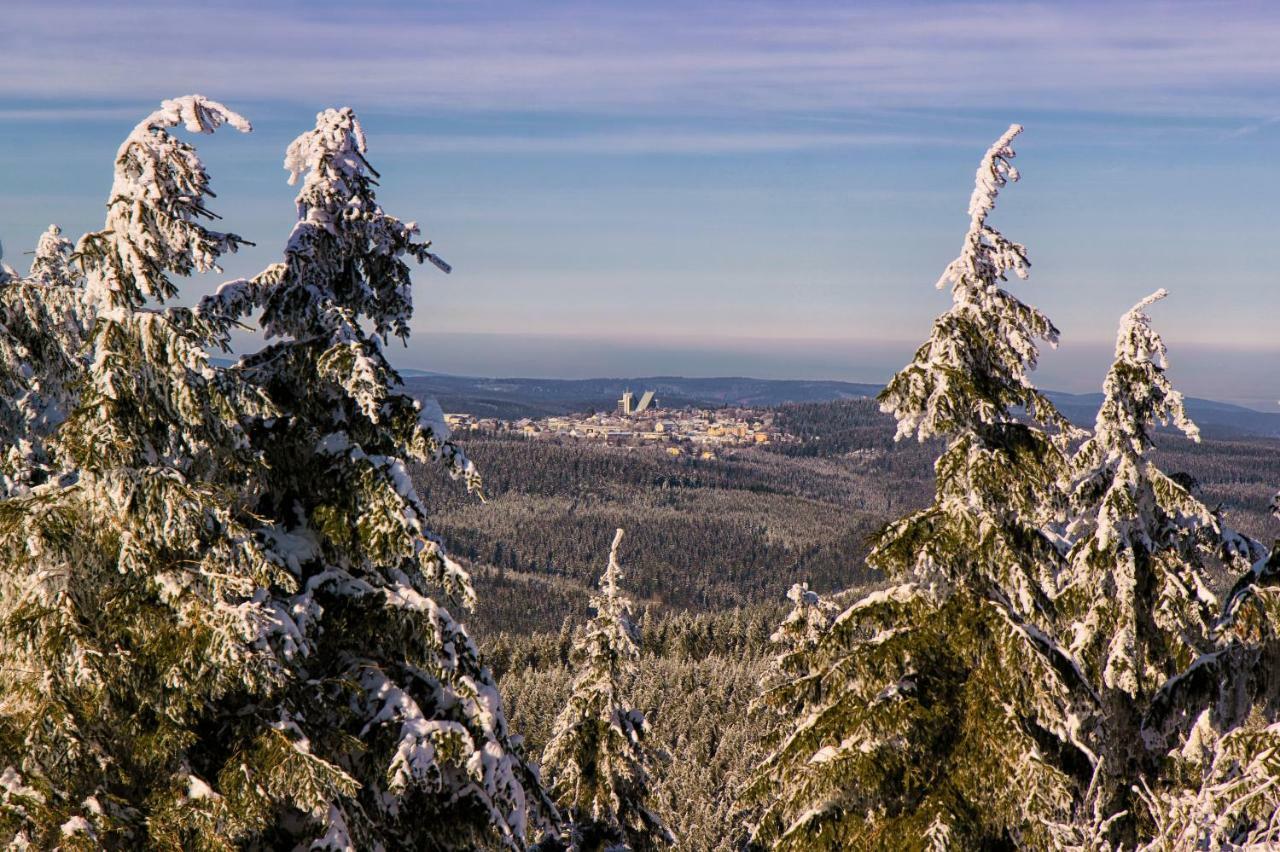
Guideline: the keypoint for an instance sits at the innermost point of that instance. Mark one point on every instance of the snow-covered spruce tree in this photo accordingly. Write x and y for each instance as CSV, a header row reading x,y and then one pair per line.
x,y
1218,786
52,263
133,650
1137,609
597,761
789,692
1217,723
1225,796
43,319
947,715
389,687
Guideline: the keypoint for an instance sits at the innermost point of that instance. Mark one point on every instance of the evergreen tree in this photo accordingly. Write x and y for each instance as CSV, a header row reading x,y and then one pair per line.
x,y
790,690
217,627
43,322
52,263
596,760
1138,608
946,710
389,686
130,634
1216,725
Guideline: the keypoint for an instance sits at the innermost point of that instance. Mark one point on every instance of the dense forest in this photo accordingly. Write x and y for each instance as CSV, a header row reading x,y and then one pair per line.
x,y
712,548
736,531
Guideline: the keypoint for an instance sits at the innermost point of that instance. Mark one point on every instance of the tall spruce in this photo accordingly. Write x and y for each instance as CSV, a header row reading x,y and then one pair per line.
x,y
131,652
217,622
43,323
1138,608
597,760
946,711
789,692
389,685
1188,732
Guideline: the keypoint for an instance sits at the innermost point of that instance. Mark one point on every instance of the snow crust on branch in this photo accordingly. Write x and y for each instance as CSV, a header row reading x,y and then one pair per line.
x,y
157,198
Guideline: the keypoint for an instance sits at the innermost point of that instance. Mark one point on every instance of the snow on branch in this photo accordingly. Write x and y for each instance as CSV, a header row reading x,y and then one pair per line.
x,y
156,199
1140,349
987,254
972,372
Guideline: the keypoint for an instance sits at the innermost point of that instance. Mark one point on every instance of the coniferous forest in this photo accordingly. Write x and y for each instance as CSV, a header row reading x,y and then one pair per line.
x,y
262,599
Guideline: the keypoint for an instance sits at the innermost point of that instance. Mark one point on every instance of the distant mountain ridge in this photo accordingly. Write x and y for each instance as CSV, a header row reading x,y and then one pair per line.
x,y
513,398
1215,419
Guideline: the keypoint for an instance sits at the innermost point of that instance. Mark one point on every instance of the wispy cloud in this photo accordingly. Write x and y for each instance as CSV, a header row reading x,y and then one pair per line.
x,y
1129,103
626,143
1203,59
1254,127
67,113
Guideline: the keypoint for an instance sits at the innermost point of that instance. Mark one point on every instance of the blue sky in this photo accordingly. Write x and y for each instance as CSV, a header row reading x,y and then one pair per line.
x,y
700,188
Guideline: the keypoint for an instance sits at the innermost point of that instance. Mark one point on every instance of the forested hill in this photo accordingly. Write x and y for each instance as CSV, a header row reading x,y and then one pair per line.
x,y
513,398
733,531
711,548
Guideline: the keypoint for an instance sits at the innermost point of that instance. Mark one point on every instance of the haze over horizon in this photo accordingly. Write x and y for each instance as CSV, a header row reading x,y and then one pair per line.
x,y
715,188
1210,372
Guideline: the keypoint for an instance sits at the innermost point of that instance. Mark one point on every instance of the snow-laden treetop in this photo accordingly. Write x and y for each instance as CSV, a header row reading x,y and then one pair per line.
x,y
157,198
348,248
613,573
1125,416
52,261
973,369
987,254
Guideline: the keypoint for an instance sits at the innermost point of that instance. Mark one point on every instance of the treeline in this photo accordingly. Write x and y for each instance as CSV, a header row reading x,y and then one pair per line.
x,y
709,535
741,632
697,678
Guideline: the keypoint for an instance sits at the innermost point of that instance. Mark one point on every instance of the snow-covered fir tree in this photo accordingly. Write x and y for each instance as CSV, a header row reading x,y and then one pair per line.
x,y
43,321
597,760
390,687
1217,722
790,690
1137,609
803,628
946,710
52,263
128,622
217,622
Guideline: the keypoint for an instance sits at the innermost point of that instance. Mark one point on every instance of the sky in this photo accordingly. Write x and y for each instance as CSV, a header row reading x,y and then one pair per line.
x,y
766,189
